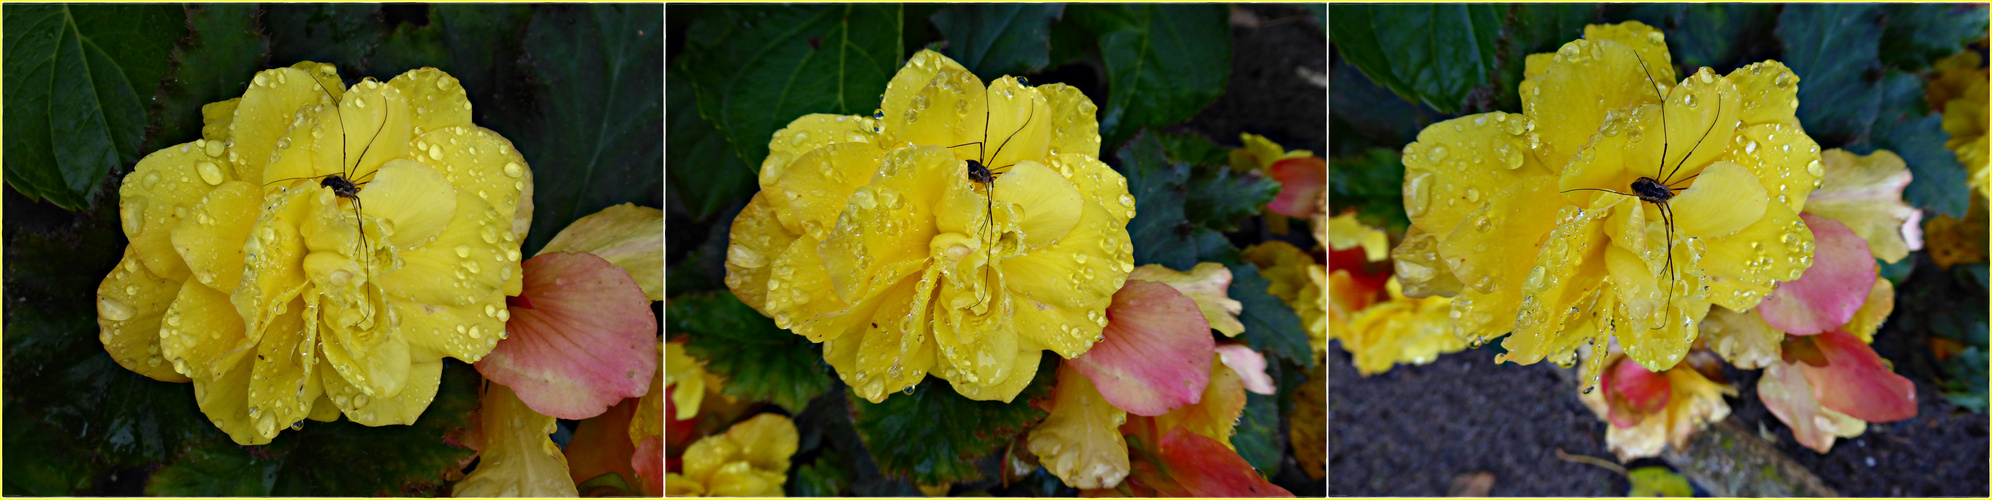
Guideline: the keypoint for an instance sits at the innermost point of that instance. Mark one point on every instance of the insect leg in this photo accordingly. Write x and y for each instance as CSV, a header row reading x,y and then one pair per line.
x,y
1698,142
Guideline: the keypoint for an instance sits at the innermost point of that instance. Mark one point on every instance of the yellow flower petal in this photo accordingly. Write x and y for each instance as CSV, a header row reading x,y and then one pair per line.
x,y
1401,330
437,98
417,201
1482,250
629,236
1723,201
1441,181
754,241
1346,232
1771,88
1206,284
207,337
465,333
225,400
920,72
266,110
1090,262
130,303
687,376
1568,275
478,161
893,339
810,133
1420,268
216,118
274,257
1014,112
282,385
519,459
477,248
1073,127
891,224
211,244
400,409
1051,204
750,459
1874,312
1743,338
1080,442
1744,267
1782,158
370,362
160,193
1623,66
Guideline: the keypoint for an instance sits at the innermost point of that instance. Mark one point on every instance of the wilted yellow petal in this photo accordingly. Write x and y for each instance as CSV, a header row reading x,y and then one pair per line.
x,y
1865,193
1206,284
519,458
1743,338
1080,442
1880,303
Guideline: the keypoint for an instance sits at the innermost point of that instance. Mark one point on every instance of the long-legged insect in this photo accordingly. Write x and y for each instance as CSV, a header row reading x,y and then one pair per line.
x,y
1659,192
980,173
343,183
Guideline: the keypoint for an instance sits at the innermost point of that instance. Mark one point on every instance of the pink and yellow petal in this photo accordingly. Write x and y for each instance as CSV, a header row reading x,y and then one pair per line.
x,y
1830,291
1742,338
131,302
1865,193
1857,382
1206,284
1301,182
629,236
1250,365
1215,414
1787,394
1157,352
1880,303
578,300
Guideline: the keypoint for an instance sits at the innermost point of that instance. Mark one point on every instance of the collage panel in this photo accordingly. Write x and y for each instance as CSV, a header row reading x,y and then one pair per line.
x,y
1668,249
345,250
996,249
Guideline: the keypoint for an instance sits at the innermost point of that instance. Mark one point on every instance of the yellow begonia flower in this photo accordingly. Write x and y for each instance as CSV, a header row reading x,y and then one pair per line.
x,y
1261,153
1694,402
1960,92
518,459
873,238
688,379
1400,330
1300,282
1346,232
1535,214
246,268
750,460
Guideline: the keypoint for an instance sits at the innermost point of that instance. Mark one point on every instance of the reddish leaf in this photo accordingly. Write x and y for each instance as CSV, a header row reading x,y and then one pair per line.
x,y
590,340
1157,353
1857,382
601,445
649,464
1829,292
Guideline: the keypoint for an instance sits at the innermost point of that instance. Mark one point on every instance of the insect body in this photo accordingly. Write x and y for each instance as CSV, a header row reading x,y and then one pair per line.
x,y
979,173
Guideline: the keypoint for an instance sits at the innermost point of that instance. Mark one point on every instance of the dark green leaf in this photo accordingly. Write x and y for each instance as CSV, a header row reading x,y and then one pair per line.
x,y
703,269
1218,195
993,40
340,34
822,478
935,435
702,174
484,46
76,77
1907,128
759,67
1431,53
1270,325
1721,36
58,468
598,68
1168,64
1534,28
1832,47
1363,115
1257,437
221,468
1161,232
758,360
1658,481
1372,185
1919,34
224,51
409,47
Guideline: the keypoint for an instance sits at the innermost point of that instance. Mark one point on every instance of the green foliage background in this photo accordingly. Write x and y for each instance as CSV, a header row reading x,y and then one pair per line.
x,y
741,72
90,89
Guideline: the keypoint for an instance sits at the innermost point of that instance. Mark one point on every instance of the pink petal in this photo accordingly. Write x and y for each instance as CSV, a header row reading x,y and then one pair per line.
x,y
649,464
1301,182
1250,365
589,341
1785,392
1829,292
1857,382
1157,352
1206,468
1632,392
